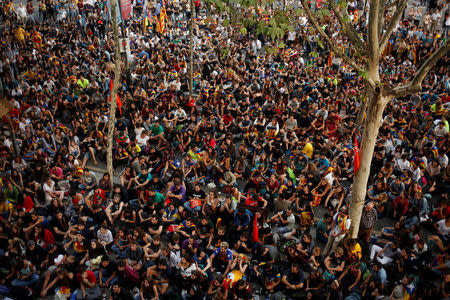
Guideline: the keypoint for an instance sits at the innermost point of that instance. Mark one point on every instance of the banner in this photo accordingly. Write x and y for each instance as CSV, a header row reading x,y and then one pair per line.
x,y
125,9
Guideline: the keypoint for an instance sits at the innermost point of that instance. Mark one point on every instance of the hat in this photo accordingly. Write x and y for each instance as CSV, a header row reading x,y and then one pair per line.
x,y
31,243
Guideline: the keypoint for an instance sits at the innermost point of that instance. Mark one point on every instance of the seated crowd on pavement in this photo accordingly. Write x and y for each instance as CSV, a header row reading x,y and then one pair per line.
x,y
242,190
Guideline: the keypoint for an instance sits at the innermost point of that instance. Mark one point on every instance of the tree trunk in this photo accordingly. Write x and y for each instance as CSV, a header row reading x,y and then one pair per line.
x,y
191,52
375,107
13,136
361,112
112,109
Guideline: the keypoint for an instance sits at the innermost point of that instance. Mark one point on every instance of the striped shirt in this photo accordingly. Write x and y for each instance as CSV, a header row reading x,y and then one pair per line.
x,y
368,218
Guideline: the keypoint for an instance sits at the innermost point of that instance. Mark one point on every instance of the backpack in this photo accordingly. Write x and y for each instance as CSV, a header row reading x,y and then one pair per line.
x,y
132,274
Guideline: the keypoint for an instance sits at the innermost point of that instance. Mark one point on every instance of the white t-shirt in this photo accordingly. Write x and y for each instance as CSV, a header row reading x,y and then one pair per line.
x,y
142,141
49,189
403,164
330,178
291,222
188,271
442,228
180,114
105,238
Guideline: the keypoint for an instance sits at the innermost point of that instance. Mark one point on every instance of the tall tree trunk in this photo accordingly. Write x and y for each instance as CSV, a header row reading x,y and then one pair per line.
x,y
375,107
361,112
191,53
13,136
112,109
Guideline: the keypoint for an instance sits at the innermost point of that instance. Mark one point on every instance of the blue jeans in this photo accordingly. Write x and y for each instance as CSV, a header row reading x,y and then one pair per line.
x,y
18,283
135,203
187,205
105,277
83,187
409,222
283,229
120,253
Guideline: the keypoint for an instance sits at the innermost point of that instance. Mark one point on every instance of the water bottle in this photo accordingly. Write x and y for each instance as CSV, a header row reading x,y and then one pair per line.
x,y
184,294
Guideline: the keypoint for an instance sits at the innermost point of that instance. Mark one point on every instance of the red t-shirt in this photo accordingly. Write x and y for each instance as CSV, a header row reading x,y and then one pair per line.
x,y
58,172
90,277
99,197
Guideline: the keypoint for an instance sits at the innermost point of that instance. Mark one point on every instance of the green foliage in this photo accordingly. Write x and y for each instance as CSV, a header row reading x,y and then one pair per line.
x,y
261,28
266,2
275,32
224,53
364,74
342,4
250,22
248,3
271,50
319,42
274,25
321,13
311,30
299,11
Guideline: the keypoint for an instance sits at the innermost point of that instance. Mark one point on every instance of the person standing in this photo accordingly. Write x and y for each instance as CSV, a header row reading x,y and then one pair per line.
x,y
339,228
368,218
436,19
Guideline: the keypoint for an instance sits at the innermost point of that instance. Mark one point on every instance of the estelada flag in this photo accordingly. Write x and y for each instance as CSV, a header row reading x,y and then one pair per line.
x,y
162,23
316,199
330,60
356,159
163,13
118,101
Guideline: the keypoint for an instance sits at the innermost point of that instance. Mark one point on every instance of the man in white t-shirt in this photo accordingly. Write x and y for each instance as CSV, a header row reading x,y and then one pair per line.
x,y
285,221
436,18
442,238
142,139
50,192
443,226
339,228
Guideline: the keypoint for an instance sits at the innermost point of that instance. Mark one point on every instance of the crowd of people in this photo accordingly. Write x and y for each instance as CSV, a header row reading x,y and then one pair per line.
x,y
216,196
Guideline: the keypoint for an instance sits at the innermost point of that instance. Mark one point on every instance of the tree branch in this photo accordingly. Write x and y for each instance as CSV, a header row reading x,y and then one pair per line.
x,y
349,29
415,84
397,15
328,40
373,31
390,4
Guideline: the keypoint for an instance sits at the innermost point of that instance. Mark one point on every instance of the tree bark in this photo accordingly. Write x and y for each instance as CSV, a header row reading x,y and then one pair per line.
x,y
375,107
13,136
361,112
112,109
191,52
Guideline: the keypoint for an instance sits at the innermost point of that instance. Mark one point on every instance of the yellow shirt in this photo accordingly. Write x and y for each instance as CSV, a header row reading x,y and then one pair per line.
x,y
357,251
20,34
83,83
308,150
6,207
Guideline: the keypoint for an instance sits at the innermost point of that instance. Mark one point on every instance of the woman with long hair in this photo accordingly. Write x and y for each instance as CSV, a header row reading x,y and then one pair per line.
x,y
148,290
